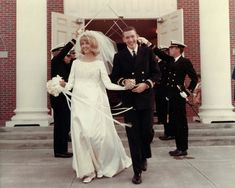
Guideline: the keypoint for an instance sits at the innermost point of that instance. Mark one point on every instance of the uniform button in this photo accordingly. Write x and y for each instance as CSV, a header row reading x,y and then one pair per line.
x,y
143,80
132,73
174,74
142,72
171,85
173,80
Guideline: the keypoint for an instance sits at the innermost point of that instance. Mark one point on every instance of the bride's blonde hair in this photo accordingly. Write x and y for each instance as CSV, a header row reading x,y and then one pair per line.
x,y
93,43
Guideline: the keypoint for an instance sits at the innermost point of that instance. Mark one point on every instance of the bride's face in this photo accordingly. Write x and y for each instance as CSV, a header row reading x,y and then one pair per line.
x,y
85,47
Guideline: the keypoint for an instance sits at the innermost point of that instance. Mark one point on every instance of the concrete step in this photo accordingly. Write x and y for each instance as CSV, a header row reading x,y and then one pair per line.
x,y
26,144
44,135
118,127
192,126
26,129
48,144
27,136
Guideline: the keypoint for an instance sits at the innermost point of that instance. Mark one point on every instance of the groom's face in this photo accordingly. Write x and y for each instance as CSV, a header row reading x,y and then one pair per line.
x,y
130,38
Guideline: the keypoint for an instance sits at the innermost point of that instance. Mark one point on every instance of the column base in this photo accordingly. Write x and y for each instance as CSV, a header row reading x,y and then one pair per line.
x,y
41,123
30,117
210,115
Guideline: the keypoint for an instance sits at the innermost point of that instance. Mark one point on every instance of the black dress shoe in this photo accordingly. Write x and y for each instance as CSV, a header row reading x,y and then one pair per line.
x,y
137,179
178,153
166,137
173,152
144,165
63,155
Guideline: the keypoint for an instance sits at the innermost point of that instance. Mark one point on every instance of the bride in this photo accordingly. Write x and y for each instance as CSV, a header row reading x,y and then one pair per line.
x,y
97,148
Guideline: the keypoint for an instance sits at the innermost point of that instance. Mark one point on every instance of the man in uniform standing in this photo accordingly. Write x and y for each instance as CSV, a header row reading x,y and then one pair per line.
x,y
61,65
177,94
161,100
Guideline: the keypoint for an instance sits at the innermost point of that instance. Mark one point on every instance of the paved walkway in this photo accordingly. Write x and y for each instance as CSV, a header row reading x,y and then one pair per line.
x,y
205,167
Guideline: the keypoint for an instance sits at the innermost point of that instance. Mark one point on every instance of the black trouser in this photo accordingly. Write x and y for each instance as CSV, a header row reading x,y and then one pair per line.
x,y
61,127
140,136
161,104
178,120
162,108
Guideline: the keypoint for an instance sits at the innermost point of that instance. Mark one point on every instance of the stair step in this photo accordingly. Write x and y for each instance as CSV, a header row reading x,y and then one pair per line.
x,y
26,129
43,135
192,126
118,127
48,143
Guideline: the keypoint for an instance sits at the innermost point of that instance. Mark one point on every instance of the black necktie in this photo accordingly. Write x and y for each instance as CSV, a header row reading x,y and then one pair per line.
x,y
133,54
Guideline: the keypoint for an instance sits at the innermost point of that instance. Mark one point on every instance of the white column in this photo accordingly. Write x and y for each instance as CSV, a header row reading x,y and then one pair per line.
x,y
31,63
215,61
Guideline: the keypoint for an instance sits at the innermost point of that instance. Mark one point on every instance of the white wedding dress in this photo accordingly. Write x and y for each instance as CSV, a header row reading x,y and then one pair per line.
x,y
95,142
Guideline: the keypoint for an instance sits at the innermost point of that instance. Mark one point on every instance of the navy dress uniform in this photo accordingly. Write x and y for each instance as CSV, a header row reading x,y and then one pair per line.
x,y
160,94
59,104
141,66
178,69
162,102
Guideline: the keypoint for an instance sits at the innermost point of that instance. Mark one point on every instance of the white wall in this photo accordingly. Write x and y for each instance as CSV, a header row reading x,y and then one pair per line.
x,y
126,8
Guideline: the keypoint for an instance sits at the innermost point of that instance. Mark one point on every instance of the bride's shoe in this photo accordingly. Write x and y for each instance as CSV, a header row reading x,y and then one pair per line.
x,y
88,179
99,176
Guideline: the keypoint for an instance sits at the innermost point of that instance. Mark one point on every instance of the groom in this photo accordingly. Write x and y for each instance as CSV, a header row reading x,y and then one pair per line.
x,y
135,68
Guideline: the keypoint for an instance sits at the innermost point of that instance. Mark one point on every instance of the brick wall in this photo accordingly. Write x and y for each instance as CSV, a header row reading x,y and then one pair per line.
x,y
8,65
191,36
191,30
52,6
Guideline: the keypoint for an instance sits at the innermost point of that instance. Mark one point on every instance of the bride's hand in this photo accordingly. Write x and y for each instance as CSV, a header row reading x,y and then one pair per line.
x,y
62,83
129,84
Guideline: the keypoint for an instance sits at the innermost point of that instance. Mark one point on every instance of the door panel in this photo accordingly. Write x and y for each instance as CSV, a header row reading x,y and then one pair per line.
x,y
63,27
170,27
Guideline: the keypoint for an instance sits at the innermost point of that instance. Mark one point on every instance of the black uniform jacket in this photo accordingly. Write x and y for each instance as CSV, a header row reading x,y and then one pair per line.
x,y
177,71
143,69
58,67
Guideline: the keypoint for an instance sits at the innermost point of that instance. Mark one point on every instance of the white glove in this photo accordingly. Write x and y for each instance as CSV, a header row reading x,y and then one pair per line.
x,y
183,94
143,40
79,32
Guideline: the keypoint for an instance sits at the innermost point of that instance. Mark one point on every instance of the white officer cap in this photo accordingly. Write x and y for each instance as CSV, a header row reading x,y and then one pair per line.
x,y
58,47
163,47
175,43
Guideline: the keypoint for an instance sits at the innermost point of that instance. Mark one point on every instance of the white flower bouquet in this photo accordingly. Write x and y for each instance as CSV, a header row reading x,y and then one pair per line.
x,y
53,86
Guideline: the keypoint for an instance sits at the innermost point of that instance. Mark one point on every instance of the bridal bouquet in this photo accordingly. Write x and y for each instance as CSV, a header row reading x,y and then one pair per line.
x,y
53,86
